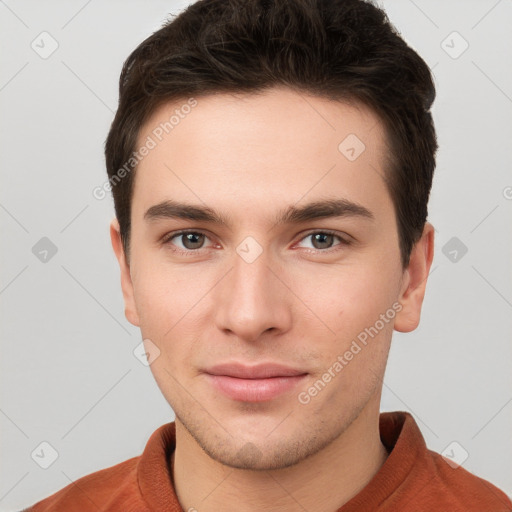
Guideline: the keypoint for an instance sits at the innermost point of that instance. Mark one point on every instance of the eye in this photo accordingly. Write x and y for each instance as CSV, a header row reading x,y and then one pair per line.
x,y
194,241
187,241
322,240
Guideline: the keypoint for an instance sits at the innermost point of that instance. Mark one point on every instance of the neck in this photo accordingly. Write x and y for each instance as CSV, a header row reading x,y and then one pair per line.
x,y
323,481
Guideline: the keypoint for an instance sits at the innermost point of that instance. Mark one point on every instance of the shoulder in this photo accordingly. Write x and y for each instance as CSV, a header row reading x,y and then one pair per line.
x,y
128,486
97,491
457,489
418,479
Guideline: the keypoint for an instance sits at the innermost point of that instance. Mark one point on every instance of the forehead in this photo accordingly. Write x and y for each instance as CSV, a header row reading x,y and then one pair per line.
x,y
246,115
263,146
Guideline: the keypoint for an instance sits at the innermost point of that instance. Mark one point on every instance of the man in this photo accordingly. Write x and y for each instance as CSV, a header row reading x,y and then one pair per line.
x,y
271,163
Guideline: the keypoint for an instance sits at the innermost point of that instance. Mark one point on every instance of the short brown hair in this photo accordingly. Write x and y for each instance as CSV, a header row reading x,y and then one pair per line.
x,y
337,49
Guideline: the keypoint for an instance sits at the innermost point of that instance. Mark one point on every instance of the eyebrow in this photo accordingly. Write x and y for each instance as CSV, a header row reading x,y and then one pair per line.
x,y
322,209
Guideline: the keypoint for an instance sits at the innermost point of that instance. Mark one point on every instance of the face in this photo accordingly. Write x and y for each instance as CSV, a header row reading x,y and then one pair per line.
x,y
265,271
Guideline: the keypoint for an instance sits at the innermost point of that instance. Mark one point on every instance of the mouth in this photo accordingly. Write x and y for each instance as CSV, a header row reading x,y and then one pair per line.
x,y
258,383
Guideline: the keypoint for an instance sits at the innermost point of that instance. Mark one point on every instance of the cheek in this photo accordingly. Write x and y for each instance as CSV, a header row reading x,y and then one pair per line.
x,y
363,322
152,302
165,304
352,298
159,296
170,301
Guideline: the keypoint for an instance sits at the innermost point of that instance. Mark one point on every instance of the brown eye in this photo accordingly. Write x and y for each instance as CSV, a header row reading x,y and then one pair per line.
x,y
322,240
186,241
192,240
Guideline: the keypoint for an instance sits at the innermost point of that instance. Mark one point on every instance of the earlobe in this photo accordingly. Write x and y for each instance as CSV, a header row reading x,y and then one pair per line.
x,y
415,281
130,309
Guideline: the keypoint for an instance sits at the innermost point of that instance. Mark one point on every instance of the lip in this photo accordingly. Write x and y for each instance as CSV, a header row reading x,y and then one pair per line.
x,y
258,371
257,383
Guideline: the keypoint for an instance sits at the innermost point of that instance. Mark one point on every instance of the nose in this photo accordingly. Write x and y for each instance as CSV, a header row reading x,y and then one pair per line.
x,y
251,300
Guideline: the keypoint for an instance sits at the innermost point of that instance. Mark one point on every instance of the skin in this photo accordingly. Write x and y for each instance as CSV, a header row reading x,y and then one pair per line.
x,y
299,303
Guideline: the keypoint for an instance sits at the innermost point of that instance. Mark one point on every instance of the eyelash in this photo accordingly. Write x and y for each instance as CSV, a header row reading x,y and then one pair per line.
x,y
342,241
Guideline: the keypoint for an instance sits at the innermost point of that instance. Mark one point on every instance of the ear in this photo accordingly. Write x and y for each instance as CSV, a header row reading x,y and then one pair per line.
x,y
130,311
415,281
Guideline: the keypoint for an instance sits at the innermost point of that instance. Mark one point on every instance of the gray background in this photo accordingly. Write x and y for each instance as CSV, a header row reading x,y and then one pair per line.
x,y
68,373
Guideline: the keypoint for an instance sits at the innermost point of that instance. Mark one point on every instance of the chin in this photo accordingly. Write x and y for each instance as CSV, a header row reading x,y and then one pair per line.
x,y
244,446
